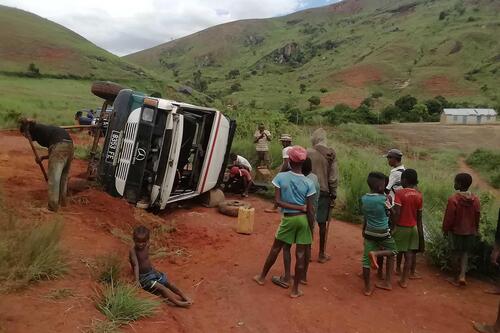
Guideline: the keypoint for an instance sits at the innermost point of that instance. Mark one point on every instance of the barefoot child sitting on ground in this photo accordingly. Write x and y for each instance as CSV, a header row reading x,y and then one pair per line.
x,y
409,232
378,242
294,194
146,276
461,223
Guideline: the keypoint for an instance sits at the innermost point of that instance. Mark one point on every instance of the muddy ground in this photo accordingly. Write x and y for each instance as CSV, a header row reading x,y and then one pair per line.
x,y
214,264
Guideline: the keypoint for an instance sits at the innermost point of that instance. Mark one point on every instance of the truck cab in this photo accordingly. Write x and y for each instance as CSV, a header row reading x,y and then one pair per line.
x,y
159,151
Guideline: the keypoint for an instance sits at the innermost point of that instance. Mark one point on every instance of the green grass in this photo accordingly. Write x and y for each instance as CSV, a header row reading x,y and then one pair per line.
x,y
487,162
29,252
121,304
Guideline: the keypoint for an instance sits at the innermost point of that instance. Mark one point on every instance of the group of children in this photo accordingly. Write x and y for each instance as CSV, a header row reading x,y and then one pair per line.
x,y
392,228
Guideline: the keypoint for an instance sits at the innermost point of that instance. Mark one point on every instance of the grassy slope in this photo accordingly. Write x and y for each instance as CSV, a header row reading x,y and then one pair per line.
x,y
380,50
26,38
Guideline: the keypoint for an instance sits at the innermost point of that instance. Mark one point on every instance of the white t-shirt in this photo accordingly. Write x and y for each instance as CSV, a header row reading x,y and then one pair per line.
x,y
241,161
395,181
285,152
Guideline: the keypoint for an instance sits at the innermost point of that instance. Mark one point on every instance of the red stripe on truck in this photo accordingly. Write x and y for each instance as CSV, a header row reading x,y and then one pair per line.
x,y
211,153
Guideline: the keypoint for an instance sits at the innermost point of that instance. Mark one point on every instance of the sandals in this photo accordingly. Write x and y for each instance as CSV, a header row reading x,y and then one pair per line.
x,y
277,280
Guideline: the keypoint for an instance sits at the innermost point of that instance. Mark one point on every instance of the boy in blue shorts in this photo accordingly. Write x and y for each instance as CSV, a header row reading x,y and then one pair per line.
x,y
149,278
378,242
294,193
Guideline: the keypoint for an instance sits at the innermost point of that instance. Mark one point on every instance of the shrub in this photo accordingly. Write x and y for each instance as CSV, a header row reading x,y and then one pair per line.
x,y
314,101
235,87
406,103
121,304
389,114
323,90
232,74
377,94
302,88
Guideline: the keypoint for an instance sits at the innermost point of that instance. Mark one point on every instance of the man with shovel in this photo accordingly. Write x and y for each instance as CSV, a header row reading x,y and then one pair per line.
x,y
324,166
60,147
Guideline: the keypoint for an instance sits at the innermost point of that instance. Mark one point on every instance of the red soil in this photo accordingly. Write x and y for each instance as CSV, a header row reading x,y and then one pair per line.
x,y
442,85
215,265
350,96
358,76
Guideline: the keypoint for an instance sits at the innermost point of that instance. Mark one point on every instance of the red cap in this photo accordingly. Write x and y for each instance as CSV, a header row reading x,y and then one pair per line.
x,y
234,171
297,154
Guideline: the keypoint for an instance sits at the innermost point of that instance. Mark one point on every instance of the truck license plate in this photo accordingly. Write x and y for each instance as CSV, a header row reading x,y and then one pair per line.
x,y
113,143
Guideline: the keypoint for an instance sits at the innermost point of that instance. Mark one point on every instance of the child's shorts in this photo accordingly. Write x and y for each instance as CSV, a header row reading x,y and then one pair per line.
x,y
294,229
373,245
150,279
462,243
406,238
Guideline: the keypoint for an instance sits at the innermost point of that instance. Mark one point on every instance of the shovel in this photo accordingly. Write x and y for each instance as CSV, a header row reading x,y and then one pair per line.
x,y
37,158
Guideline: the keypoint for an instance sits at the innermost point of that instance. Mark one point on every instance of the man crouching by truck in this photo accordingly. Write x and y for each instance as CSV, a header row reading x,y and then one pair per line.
x,y
60,147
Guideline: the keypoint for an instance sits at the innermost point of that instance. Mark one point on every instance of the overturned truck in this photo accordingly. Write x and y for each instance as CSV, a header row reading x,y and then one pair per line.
x,y
158,151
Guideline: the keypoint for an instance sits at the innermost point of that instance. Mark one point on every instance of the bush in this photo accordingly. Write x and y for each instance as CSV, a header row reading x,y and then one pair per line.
x,y
323,90
232,74
120,303
314,101
377,94
406,103
389,114
235,87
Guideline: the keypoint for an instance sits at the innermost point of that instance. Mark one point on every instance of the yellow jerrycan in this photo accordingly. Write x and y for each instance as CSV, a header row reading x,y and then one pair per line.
x,y
245,220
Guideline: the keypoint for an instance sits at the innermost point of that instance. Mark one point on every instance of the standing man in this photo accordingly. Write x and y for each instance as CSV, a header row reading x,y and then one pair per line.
x,y
324,166
286,143
394,157
261,140
60,147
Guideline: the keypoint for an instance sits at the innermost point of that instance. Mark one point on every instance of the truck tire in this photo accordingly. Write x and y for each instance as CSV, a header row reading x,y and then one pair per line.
x,y
106,90
231,207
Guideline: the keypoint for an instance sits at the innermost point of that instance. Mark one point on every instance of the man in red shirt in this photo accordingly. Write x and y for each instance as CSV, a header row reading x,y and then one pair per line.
x,y
243,176
461,223
408,232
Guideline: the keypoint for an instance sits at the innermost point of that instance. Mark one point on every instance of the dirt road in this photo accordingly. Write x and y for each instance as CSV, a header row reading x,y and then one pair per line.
x,y
215,265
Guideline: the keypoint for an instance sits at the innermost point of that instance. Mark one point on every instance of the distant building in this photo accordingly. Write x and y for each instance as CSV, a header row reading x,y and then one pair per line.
x,y
468,116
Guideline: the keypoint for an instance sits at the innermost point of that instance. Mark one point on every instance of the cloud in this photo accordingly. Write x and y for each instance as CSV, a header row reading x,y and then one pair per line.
x,y
125,26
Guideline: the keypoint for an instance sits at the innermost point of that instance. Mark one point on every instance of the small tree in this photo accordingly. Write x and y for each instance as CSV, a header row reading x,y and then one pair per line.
x,y
232,74
314,101
33,70
235,87
302,88
389,114
406,103
198,82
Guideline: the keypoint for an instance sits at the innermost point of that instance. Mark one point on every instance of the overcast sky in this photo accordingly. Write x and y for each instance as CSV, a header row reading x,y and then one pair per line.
x,y
125,26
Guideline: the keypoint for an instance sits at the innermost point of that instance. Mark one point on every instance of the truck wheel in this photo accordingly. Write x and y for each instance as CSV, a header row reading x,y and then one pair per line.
x,y
106,90
231,207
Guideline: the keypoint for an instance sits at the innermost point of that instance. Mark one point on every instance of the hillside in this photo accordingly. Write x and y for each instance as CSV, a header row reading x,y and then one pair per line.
x,y
27,38
343,53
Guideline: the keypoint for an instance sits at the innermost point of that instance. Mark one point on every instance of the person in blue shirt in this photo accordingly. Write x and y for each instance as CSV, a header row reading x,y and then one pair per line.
x,y
294,194
378,241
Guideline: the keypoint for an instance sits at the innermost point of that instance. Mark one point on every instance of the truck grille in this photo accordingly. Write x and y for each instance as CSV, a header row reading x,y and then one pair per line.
x,y
126,154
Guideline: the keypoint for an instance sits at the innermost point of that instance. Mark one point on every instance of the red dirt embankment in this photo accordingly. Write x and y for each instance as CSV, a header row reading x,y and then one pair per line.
x,y
215,265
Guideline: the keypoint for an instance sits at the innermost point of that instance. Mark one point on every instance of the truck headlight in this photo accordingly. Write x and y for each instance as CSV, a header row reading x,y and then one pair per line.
x,y
148,114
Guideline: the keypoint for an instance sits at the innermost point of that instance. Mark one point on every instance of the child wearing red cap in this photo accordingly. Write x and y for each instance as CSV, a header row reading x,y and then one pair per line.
x,y
294,193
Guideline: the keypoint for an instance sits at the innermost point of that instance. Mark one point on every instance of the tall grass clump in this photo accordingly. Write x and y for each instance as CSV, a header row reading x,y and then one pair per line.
x,y
29,252
121,304
107,268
